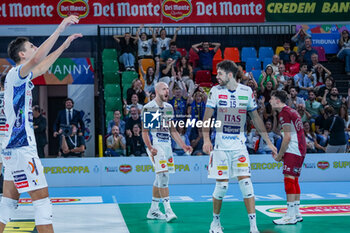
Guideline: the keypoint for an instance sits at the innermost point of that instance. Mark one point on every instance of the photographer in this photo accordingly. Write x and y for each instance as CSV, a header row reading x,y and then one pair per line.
x,y
72,143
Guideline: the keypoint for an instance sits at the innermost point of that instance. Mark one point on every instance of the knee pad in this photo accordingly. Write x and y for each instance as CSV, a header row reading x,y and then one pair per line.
x,y
289,185
296,184
7,207
43,211
163,179
246,187
220,190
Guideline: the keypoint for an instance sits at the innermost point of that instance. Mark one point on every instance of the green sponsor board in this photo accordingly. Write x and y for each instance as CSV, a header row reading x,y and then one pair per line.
x,y
307,11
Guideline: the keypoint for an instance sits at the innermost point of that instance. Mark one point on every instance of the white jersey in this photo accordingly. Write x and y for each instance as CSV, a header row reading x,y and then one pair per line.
x,y
160,135
162,44
3,127
231,108
18,110
145,47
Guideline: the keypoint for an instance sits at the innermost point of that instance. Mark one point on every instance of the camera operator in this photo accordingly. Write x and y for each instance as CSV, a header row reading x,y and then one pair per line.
x,y
72,143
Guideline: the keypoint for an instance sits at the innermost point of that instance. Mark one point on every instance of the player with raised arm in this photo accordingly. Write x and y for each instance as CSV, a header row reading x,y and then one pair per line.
x,y
229,158
24,171
157,116
292,152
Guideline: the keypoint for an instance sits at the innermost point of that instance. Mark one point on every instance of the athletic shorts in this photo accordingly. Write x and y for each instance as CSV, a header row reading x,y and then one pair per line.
x,y
23,167
228,164
164,160
292,164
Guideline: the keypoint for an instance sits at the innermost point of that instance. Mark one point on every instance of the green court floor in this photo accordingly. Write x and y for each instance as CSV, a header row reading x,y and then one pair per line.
x,y
196,217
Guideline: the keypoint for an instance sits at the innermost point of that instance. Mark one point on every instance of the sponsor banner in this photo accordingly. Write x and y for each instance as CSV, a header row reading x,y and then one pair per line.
x,y
64,71
188,170
307,210
132,11
307,11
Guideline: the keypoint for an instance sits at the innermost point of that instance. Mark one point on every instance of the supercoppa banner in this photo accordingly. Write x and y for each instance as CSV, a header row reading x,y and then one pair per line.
x,y
132,11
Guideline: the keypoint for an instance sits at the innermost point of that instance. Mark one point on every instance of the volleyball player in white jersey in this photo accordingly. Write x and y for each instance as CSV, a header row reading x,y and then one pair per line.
x,y
23,169
159,149
229,157
2,119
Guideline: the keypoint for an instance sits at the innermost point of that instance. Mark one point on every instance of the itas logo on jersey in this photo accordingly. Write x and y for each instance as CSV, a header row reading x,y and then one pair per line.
x,y
151,120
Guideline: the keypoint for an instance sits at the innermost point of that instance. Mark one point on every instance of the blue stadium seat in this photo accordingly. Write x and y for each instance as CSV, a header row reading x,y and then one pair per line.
x,y
266,61
256,74
248,52
252,64
265,52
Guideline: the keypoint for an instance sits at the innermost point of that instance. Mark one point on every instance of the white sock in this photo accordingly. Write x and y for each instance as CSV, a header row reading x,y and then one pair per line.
x,y
296,207
252,221
166,203
216,217
290,209
155,203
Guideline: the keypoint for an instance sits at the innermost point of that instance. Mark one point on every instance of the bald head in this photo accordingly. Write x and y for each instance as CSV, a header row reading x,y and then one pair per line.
x,y
162,91
159,86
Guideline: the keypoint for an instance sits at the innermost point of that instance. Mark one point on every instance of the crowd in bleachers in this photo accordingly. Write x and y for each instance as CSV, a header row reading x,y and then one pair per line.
x,y
300,71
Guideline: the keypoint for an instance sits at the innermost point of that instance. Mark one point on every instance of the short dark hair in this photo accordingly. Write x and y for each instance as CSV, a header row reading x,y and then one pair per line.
x,y
293,53
68,99
228,66
16,46
329,110
172,43
313,91
281,95
36,108
295,87
302,64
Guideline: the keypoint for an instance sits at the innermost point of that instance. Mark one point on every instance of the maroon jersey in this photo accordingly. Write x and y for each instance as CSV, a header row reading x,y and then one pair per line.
x,y
297,144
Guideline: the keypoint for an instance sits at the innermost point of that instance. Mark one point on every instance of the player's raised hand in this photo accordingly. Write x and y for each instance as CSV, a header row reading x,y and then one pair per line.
x,y
71,38
66,22
207,147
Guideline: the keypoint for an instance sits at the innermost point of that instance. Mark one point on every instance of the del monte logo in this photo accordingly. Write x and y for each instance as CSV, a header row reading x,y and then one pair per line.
x,y
73,7
176,9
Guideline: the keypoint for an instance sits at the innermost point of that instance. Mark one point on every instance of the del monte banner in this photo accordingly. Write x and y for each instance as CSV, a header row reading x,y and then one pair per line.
x,y
14,12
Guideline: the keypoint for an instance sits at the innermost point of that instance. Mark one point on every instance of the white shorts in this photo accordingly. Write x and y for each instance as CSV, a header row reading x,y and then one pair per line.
x,y
23,167
228,164
164,160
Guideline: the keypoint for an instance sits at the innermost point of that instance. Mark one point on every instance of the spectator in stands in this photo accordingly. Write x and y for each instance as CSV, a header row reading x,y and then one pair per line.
x,y
275,63
39,125
293,67
163,42
152,96
270,130
170,53
205,55
305,116
251,82
187,73
116,121
136,143
312,145
116,143
344,53
167,71
304,81
299,39
332,99
128,50
295,100
313,107
178,97
184,134
197,103
266,91
282,77
196,139
329,83
320,74
284,55
66,117
343,113
72,145
144,45
253,139
132,120
136,88
134,102
335,128
151,76
308,51
267,76
289,85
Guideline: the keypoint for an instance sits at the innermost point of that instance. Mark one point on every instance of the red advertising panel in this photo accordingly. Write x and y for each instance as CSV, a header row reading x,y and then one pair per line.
x,y
132,11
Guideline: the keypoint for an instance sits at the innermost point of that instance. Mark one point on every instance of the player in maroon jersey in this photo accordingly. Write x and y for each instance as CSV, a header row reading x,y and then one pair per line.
x,y
292,152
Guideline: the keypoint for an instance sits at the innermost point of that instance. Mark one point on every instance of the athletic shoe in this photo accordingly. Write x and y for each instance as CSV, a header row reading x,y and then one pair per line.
x,y
285,220
215,227
170,216
299,217
155,214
